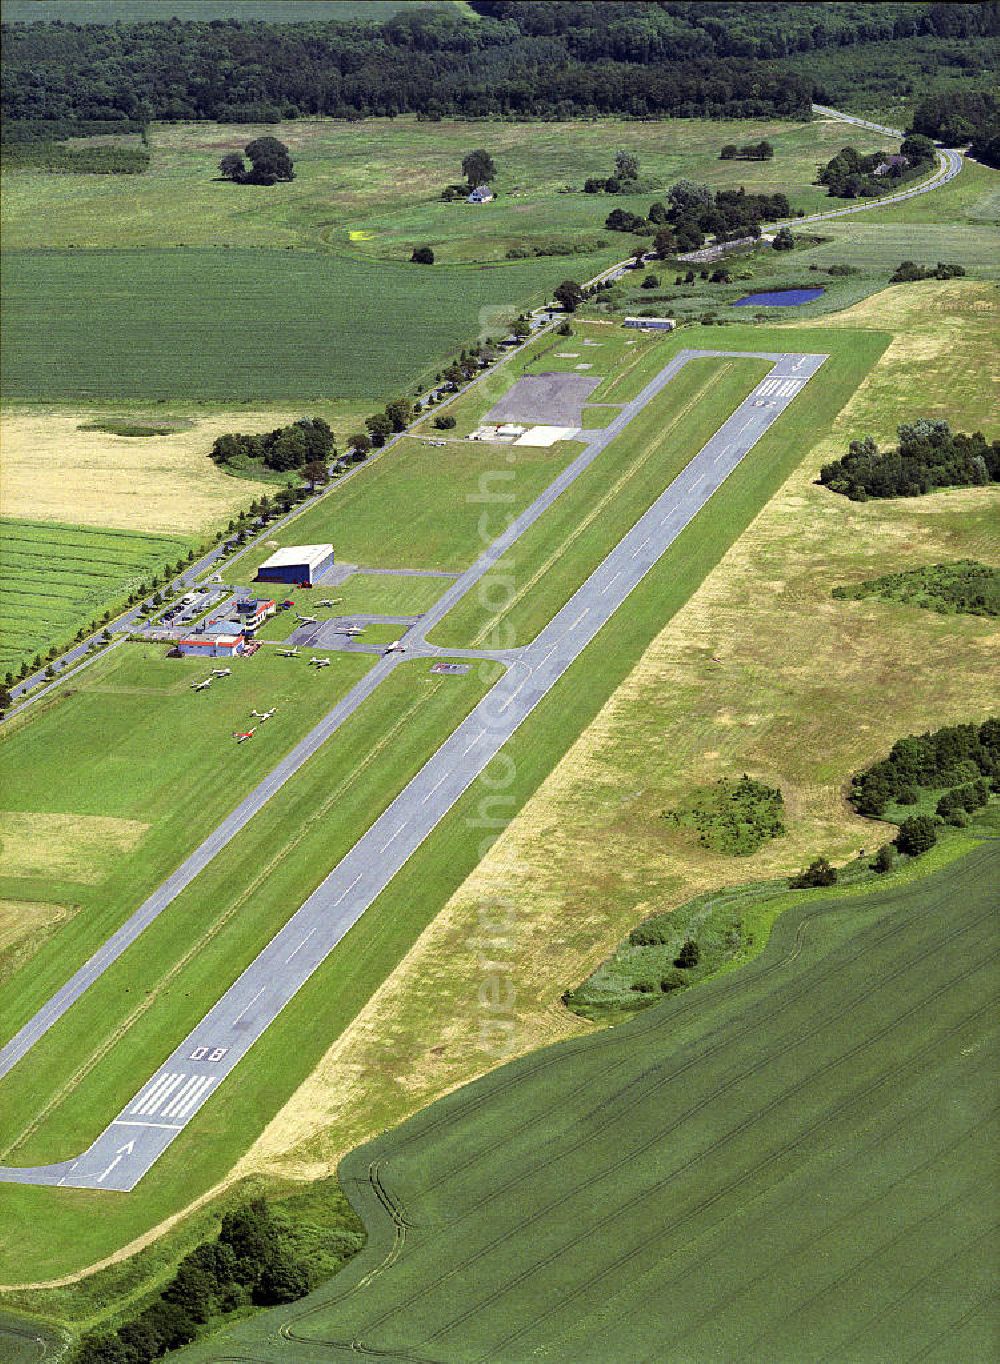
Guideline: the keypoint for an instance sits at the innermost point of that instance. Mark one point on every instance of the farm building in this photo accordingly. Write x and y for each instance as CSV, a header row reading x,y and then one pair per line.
x,y
211,646
892,163
482,194
255,611
656,324
301,564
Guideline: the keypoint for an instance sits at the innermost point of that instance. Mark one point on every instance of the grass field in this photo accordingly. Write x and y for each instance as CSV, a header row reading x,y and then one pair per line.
x,y
56,579
185,960
108,789
367,594
418,506
785,1119
382,179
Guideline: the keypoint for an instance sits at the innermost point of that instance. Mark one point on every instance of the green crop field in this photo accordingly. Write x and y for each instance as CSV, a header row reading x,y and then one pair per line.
x,y
790,1162
420,506
56,579
227,327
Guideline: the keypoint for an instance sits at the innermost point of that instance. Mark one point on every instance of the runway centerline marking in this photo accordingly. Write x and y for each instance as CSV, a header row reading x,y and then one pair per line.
x,y
248,1007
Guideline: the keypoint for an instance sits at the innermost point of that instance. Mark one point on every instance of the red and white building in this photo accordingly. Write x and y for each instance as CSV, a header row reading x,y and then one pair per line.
x,y
211,646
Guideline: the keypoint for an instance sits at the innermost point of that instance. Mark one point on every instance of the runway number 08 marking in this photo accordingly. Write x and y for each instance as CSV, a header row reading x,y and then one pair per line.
x,y
208,1053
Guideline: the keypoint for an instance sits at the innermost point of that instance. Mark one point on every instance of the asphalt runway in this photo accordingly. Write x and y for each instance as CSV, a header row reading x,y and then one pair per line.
x,y
124,1152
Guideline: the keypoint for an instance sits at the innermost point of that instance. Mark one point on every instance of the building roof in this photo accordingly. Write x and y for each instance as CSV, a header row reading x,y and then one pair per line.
x,y
211,641
298,554
224,627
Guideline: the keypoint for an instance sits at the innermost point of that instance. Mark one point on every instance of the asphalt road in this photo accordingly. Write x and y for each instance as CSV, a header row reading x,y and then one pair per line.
x,y
190,1076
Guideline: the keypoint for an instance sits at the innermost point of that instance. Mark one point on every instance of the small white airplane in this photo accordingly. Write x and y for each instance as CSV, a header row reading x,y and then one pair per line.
x,y
200,686
330,601
241,736
287,653
353,630
396,647
222,672
307,620
320,662
263,715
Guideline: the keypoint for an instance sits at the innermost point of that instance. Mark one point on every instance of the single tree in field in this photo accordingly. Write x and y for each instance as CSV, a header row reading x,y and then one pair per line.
x,y
626,165
478,168
783,239
269,161
422,255
569,295
233,167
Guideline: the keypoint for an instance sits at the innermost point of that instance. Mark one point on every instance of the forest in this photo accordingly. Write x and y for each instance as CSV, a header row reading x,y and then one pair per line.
x,y
551,60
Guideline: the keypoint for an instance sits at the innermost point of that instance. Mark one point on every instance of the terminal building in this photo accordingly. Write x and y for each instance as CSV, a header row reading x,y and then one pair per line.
x,y
255,611
300,565
211,646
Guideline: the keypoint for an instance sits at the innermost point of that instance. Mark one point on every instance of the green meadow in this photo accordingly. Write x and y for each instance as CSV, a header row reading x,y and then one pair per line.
x,y
419,506
56,580
760,1168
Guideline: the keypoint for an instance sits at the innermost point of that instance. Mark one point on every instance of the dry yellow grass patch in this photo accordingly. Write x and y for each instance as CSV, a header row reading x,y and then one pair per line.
x,y
943,360
52,471
64,847
24,925
763,672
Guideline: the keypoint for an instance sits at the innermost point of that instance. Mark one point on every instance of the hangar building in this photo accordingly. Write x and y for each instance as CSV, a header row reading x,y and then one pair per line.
x,y
299,564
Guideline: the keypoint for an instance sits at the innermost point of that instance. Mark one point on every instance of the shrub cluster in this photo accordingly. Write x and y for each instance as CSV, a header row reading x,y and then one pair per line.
x,y
907,271
752,151
954,756
929,455
965,586
306,441
249,1263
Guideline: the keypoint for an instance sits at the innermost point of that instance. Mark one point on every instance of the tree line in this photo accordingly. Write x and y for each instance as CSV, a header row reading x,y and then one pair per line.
x,y
961,116
929,455
252,1262
286,449
432,62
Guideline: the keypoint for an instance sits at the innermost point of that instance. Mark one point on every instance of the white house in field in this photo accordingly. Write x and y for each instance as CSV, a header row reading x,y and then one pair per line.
x,y
482,194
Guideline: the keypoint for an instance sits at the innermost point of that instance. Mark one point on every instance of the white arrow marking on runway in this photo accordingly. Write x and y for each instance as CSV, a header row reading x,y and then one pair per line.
x,y
123,1151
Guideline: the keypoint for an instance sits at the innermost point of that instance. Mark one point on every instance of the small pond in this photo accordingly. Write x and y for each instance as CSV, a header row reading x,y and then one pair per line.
x,y
780,298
